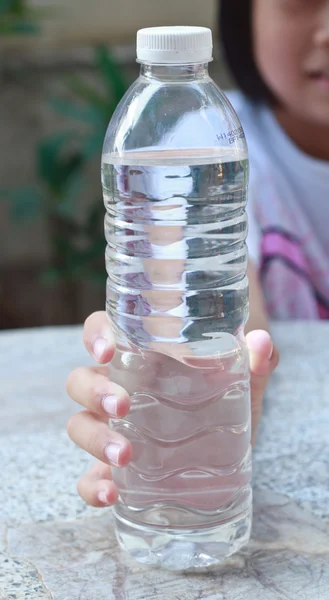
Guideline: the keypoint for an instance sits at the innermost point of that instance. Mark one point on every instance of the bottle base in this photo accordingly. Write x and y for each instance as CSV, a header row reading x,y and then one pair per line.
x,y
183,549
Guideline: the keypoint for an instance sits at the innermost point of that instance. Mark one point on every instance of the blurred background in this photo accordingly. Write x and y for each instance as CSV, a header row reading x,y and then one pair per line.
x,y
64,65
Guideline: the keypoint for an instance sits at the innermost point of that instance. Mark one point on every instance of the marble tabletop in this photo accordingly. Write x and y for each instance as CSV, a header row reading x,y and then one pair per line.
x,y
52,546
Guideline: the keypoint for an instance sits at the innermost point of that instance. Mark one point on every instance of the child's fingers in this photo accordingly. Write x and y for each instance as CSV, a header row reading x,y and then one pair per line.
x,y
262,353
264,358
98,337
88,387
91,434
96,487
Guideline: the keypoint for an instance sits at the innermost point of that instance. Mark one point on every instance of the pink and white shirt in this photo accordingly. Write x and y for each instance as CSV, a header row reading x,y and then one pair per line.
x,y
288,213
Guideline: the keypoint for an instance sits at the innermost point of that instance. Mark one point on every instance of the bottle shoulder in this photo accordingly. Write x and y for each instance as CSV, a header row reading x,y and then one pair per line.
x,y
172,116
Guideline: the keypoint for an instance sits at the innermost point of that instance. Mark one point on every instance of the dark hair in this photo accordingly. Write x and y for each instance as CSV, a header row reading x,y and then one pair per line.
x,y
235,28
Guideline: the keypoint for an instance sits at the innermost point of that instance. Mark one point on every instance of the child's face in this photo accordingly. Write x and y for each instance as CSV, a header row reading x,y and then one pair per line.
x,y
291,44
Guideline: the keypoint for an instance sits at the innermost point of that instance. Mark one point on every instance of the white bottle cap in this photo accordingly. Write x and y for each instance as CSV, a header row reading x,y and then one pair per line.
x,y
174,45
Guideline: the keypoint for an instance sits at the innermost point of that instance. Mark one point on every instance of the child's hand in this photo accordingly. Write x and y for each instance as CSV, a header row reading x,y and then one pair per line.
x,y
102,399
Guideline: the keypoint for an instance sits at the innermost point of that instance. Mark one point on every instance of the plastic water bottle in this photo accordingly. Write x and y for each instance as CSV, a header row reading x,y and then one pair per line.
x,y
175,178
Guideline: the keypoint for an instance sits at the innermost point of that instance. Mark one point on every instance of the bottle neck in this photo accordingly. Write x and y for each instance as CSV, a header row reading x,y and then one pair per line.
x,y
180,73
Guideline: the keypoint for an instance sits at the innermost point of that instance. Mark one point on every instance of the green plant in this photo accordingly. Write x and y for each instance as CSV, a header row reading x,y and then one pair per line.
x,y
77,240
97,108
17,18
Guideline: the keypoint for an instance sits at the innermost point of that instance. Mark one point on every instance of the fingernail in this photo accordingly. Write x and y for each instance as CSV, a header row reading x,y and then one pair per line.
x,y
110,405
99,347
271,353
112,453
102,497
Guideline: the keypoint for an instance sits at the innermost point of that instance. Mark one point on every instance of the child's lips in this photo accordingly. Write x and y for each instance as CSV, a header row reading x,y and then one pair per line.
x,y
321,78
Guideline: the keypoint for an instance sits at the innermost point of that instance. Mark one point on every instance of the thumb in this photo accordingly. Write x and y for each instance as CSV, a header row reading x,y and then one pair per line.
x,y
263,358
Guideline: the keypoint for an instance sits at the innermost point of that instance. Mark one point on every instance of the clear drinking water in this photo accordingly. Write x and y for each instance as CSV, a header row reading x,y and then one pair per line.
x,y
177,296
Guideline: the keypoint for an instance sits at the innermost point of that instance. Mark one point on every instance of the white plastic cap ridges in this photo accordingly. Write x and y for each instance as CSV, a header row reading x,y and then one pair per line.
x,y
174,45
